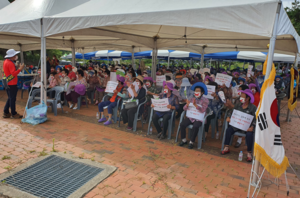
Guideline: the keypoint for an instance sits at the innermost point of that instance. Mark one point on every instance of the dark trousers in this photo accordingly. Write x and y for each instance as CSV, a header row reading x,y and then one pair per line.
x,y
249,137
185,123
73,96
11,100
128,116
32,88
166,117
89,93
180,110
208,120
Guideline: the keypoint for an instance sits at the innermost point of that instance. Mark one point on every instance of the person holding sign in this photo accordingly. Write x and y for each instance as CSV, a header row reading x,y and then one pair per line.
x,y
214,104
112,102
100,88
166,115
140,94
200,103
151,91
244,107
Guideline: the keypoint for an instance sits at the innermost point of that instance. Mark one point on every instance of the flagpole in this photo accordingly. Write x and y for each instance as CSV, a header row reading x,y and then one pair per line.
x,y
268,71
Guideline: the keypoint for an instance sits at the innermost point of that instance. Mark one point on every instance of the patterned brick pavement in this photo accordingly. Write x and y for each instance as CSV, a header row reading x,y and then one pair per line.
x,y
147,167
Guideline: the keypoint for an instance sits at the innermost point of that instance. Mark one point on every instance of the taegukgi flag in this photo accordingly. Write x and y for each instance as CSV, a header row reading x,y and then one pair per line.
x,y
268,148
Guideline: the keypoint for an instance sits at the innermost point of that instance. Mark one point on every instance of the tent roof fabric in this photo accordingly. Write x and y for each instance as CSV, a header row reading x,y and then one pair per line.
x,y
247,23
3,3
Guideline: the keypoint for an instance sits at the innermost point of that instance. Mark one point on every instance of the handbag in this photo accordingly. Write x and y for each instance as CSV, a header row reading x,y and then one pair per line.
x,y
131,104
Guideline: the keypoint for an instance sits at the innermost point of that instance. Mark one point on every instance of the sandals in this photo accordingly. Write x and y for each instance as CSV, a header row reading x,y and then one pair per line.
x,y
249,159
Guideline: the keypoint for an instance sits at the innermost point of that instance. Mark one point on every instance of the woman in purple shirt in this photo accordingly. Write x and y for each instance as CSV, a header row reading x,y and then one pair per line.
x,y
201,104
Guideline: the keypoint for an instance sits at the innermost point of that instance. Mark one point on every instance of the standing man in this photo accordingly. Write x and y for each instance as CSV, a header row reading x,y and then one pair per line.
x,y
11,76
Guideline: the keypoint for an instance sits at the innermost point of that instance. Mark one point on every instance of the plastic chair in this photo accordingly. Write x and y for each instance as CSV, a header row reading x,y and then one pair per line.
x,y
26,86
214,123
135,115
171,124
238,133
201,133
58,91
115,109
80,99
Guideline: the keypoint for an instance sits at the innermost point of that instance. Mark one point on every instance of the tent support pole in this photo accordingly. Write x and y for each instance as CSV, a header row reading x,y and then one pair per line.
x,y
43,64
154,56
21,54
202,57
73,54
191,62
169,60
132,59
83,55
268,71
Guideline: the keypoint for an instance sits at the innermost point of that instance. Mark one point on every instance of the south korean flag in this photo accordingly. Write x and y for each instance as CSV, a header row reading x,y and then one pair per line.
x,y
268,147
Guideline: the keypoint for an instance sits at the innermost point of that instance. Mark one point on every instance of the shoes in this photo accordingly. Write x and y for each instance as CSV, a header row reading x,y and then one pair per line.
x,y
191,146
107,122
159,134
129,128
71,106
102,120
237,145
75,108
96,103
225,152
249,159
162,137
16,116
6,115
182,143
58,105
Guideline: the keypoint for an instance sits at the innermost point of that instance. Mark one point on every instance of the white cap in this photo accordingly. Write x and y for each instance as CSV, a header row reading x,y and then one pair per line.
x,y
11,53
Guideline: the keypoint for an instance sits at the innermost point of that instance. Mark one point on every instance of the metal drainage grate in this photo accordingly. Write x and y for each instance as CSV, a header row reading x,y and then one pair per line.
x,y
54,176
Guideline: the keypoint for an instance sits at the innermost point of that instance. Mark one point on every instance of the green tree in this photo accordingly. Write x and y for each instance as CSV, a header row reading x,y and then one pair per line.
x,y
294,14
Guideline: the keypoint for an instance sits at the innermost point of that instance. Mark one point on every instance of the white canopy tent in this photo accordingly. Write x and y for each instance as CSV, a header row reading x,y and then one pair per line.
x,y
3,3
154,24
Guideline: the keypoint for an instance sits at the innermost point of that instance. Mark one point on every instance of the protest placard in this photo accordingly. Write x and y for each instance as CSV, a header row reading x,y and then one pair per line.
x,y
193,71
249,72
111,86
192,112
113,76
222,96
206,70
160,104
210,89
160,80
223,79
241,120
37,85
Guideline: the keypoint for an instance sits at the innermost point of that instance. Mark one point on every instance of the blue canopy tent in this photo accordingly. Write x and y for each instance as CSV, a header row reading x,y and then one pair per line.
x,y
107,54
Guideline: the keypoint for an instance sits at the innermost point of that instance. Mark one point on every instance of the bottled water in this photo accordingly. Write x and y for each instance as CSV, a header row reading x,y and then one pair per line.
x,y
241,156
97,116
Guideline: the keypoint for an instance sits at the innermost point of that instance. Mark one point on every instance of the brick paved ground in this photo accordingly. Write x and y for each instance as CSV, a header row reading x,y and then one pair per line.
x,y
147,167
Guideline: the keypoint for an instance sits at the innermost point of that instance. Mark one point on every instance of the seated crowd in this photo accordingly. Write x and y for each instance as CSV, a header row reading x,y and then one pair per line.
x,y
182,89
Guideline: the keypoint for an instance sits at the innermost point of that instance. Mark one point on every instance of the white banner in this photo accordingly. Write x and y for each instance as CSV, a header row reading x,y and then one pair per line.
x,y
160,104
223,79
192,112
210,89
194,70
111,86
241,120
160,80
249,72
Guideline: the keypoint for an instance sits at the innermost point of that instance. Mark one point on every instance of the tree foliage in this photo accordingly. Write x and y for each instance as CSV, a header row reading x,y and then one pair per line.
x,y
294,14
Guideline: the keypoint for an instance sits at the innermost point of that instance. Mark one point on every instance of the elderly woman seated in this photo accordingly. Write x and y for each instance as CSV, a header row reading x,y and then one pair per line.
x,y
151,90
128,114
81,85
247,107
173,105
201,104
112,102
